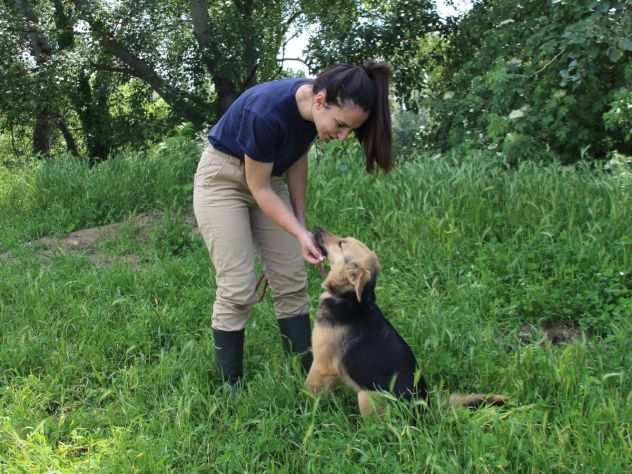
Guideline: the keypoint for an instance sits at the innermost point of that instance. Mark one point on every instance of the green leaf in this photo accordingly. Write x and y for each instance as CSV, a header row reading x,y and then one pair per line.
x,y
625,44
614,54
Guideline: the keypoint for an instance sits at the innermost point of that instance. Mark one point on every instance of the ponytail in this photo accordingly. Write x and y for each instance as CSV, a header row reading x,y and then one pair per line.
x,y
367,87
375,134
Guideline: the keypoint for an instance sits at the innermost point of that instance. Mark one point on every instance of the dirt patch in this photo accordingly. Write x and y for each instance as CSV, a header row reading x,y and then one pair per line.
x,y
561,333
86,241
552,333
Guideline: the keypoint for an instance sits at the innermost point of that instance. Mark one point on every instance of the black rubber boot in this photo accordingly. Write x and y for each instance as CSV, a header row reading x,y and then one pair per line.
x,y
229,353
296,335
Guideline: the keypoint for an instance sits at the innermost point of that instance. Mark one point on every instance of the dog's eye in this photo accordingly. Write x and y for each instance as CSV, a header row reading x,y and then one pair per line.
x,y
340,244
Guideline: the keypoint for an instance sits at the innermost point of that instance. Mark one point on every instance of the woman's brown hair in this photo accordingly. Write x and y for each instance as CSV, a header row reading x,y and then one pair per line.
x,y
367,87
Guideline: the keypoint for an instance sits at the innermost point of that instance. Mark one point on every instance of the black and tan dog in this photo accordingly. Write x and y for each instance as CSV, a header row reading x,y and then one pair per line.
x,y
353,342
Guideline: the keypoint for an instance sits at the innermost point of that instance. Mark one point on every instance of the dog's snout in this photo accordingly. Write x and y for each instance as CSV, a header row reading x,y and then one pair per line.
x,y
319,232
319,238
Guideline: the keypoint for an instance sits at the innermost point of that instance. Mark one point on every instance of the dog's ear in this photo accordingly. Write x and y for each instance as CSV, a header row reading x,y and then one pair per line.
x,y
358,277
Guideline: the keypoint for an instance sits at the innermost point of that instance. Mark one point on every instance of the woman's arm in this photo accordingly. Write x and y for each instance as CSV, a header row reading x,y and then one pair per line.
x,y
297,184
258,180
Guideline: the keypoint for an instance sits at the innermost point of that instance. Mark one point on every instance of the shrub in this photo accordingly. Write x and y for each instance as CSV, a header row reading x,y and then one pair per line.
x,y
553,71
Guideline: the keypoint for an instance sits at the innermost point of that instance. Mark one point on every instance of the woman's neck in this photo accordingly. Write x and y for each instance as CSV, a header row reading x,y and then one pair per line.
x,y
304,98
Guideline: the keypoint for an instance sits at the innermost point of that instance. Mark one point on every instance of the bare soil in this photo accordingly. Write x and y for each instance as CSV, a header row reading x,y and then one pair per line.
x,y
86,241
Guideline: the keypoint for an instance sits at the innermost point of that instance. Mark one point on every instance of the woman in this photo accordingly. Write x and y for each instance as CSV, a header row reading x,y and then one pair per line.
x,y
249,193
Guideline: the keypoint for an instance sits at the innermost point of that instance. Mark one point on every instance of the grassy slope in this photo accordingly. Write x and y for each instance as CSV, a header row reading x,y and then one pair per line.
x,y
109,369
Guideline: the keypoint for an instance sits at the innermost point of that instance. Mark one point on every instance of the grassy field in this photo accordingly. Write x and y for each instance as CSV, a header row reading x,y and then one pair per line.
x,y
109,367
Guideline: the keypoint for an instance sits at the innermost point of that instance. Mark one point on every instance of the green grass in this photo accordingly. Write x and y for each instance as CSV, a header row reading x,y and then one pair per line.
x,y
109,368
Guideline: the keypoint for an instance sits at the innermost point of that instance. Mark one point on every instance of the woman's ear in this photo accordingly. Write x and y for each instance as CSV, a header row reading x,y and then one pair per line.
x,y
320,99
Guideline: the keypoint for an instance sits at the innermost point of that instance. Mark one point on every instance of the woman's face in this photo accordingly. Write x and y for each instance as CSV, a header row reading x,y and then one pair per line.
x,y
333,121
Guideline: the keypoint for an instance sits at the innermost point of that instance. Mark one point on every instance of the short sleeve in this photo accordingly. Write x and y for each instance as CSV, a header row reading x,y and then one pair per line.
x,y
258,137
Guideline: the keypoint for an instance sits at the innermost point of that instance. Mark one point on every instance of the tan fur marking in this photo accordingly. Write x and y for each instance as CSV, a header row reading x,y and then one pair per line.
x,y
369,405
353,265
326,348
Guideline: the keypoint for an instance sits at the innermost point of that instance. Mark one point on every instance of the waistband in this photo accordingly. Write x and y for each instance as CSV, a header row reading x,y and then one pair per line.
x,y
211,149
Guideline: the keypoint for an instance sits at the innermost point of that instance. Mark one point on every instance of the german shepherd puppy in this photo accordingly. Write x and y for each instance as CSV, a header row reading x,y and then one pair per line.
x,y
353,342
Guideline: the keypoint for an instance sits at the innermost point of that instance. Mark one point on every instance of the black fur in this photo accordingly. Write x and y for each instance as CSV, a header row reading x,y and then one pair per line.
x,y
374,355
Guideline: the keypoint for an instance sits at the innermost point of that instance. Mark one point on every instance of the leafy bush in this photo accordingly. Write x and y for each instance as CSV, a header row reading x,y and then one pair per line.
x,y
552,71
618,118
408,130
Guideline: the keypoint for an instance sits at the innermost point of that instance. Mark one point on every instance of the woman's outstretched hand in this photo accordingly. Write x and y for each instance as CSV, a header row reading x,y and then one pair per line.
x,y
309,248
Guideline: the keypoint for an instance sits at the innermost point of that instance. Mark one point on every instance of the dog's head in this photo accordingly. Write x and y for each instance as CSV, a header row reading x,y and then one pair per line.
x,y
353,266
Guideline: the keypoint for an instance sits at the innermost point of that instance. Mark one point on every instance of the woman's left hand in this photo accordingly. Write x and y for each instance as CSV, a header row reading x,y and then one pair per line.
x,y
311,253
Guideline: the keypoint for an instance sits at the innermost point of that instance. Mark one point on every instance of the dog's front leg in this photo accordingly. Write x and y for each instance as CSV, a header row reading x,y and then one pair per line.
x,y
370,404
319,380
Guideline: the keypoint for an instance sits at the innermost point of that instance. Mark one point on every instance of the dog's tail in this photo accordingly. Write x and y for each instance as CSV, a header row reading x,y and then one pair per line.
x,y
476,400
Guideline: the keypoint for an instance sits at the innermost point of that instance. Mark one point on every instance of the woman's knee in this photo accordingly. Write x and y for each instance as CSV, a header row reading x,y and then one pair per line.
x,y
231,314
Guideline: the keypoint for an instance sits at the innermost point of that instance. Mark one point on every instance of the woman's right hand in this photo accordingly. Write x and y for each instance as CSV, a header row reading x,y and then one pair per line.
x,y
309,248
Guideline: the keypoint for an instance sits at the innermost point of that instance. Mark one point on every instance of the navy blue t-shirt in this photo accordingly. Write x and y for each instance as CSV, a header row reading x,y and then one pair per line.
x,y
265,124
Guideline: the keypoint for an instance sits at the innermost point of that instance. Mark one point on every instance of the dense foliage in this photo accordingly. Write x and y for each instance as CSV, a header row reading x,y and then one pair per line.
x,y
103,75
538,78
384,30
530,80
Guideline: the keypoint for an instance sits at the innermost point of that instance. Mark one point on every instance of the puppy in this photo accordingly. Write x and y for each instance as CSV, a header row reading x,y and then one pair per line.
x,y
352,341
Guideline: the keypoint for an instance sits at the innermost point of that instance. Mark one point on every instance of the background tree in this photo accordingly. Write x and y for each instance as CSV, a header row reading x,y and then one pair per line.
x,y
538,79
84,58
198,55
57,82
39,97
78,60
391,30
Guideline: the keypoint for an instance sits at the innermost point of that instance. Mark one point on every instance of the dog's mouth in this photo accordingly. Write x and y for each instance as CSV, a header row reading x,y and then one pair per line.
x,y
321,249
318,239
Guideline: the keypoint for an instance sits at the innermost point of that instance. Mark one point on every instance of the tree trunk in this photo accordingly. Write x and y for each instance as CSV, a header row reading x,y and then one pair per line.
x,y
227,90
91,107
43,133
71,144
226,94
40,48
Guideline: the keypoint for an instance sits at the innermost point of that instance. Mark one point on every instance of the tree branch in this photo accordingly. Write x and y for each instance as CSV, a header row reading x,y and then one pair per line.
x,y
188,106
202,32
105,67
282,60
290,20
548,63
